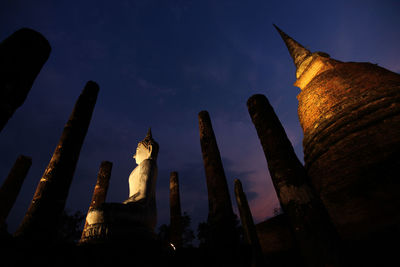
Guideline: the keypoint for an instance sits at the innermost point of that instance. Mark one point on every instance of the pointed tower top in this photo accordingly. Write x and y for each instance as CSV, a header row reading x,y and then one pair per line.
x,y
296,50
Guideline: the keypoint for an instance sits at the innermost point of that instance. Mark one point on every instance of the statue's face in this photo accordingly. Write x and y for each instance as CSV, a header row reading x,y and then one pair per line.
x,y
142,153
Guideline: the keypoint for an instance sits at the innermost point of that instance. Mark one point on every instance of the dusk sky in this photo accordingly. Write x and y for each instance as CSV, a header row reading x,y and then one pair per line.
x,y
158,64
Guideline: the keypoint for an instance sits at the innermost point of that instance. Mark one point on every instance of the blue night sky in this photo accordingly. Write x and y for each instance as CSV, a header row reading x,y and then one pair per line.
x,y
158,64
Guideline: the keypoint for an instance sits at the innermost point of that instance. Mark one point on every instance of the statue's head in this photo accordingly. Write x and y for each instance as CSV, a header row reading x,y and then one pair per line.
x,y
146,149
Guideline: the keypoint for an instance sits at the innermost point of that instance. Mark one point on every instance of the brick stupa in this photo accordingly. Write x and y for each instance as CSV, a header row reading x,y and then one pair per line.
x,y
350,115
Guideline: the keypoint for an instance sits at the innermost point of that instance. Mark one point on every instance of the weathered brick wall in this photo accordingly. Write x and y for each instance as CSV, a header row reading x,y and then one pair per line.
x,y
350,116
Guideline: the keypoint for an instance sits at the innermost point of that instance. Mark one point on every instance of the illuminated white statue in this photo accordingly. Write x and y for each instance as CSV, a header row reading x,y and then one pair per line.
x,y
142,180
138,214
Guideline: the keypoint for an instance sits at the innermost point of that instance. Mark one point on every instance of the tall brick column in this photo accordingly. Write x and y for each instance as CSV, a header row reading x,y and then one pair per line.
x,y
22,56
249,229
315,234
40,221
175,211
221,218
12,185
100,190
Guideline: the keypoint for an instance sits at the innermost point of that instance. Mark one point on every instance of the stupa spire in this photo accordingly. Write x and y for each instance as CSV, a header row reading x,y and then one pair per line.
x,y
148,138
149,135
296,50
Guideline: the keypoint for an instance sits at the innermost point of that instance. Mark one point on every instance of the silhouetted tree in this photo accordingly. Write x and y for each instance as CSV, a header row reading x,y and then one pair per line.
x,y
187,233
70,227
204,232
164,233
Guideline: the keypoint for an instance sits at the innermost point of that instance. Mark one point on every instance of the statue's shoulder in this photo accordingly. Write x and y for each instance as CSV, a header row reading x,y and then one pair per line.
x,y
148,163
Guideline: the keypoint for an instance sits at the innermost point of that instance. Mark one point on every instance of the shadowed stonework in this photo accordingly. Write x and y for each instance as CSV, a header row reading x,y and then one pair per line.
x,y
314,232
221,219
22,56
175,211
12,185
100,191
249,229
40,221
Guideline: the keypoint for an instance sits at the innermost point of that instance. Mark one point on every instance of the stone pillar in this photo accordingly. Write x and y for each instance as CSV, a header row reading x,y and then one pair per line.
x,y
22,56
100,190
221,219
175,211
12,185
249,229
315,234
40,221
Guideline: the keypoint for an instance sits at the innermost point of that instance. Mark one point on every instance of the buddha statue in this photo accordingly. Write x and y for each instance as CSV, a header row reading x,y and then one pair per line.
x,y
142,180
136,216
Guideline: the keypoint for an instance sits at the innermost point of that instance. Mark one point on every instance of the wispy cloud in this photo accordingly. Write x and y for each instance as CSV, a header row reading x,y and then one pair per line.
x,y
210,72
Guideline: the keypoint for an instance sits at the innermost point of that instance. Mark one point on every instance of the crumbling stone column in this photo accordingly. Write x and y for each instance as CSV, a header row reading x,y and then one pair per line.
x,y
22,55
175,211
249,229
100,190
40,221
315,234
221,218
12,185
